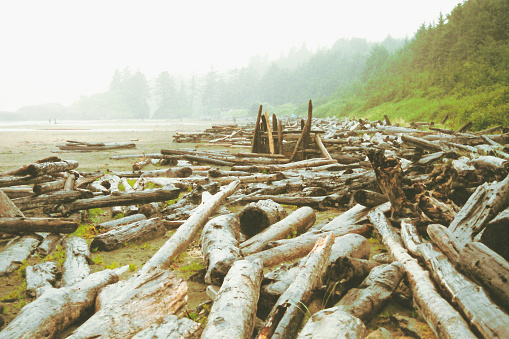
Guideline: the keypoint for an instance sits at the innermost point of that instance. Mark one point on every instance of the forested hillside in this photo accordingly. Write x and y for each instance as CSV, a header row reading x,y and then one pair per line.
x,y
458,66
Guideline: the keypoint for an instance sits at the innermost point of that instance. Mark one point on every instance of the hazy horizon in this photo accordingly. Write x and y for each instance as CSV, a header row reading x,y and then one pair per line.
x,y
56,51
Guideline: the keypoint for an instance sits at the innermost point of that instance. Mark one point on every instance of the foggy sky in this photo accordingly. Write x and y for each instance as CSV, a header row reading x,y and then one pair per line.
x,y
58,50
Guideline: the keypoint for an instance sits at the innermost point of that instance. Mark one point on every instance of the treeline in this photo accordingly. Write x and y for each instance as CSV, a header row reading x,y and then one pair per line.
x,y
285,83
456,67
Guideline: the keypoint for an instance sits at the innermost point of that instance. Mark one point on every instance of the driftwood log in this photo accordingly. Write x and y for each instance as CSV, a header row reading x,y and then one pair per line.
x,y
443,319
496,234
171,327
295,224
145,299
55,198
120,221
234,309
40,277
16,251
257,216
77,257
220,246
28,225
56,309
187,231
136,232
285,318
49,244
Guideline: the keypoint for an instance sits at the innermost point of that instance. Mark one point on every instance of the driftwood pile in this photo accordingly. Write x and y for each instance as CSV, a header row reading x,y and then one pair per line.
x,y
439,201
81,146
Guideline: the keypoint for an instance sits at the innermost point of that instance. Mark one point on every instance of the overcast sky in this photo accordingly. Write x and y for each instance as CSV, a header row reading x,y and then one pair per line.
x,y
56,51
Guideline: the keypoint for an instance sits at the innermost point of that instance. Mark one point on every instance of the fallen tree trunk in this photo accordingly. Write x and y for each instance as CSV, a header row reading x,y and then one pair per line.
x,y
295,224
285,318
108,225
471,300
259,215
198,158
234,309
24,180
56,309
488,268
220,246
443,319
18,192
7,208
40,277
16,251
495,234
186,233
171,327
77,256
145,299
483,205
334,323
56,198
49,186
48,244
136,232
29,225
315,202
37,169
123,199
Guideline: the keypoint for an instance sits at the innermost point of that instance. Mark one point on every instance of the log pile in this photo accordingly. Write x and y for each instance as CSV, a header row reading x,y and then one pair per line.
x,y
269,259
81,146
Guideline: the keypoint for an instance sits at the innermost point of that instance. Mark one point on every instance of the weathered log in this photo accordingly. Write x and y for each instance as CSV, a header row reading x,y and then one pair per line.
x,y
220,246
198,158
285,318
18,192
49,244
259,215
442,237
49,186
28,225
496,234
354,215
130,209
56,309
488,268
369,198
37,169
332,323
234,309
25,180
7,208
470,299
123,199
120,221
186,233
40,277
180,172
300,246
136,232
55,198
77,257
315,202
443,319
171,327
363,303
322,148
145,299
487,201
16,251
421,143
295,224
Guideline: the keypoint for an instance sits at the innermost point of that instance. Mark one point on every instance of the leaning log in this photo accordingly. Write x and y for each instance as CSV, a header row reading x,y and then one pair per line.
x,y
483,205
56,309
123,199
171,327
136,232
16,251
234,309
186,233
295,224
470,299
285,318
145,299
443,319
257,216
220,246
496,234
77,257
29,225
487,268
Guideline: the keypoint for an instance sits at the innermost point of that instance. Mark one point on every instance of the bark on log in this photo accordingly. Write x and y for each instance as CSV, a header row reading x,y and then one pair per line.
x,y
7,208
56,309
470,299
316,202
496,234
286,316
77,257
186,233
295,224
443,319
332,323
488,268
40,277
198,158
441,237
56,198
16,251
354,215
234,309
220,246
49,186
18,192
369,198
124,199
25,180
259,215
49,244
29,225
421,143
180,172
136,232
487,201
171,327
38,169
145,299
108,225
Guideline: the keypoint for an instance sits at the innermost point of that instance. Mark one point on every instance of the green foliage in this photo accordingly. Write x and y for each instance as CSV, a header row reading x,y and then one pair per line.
x,y
150,185
98,260
119,216
58,255
192,267
112,266
85,231
132,267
